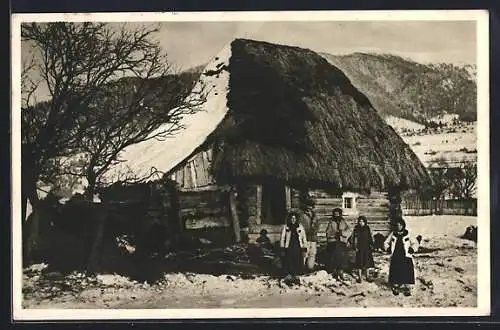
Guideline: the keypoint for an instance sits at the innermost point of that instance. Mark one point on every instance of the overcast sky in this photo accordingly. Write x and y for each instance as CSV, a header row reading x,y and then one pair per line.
x,y
190,44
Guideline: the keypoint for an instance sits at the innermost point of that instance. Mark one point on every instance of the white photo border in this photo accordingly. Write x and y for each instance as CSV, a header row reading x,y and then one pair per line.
x,y
483,140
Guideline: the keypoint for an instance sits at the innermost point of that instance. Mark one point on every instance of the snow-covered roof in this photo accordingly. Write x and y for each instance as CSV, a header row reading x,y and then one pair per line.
x,y
162,155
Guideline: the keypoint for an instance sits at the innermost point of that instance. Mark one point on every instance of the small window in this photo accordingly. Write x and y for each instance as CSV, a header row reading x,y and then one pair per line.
x,y
348,204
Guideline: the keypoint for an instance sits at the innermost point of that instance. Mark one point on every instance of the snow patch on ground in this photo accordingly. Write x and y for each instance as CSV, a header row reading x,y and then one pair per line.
x,y
446,276
400,124
454,146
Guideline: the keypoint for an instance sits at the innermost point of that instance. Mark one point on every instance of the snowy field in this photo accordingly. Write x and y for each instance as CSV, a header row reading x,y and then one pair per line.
x,y
453,144
453,147
446,277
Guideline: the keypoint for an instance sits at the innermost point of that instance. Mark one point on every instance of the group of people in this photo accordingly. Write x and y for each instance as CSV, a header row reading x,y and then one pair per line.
x,y
298,246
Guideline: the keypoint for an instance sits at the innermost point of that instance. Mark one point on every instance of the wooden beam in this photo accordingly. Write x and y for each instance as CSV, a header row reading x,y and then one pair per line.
x,y
234,216
258,213
210,187
193,174
288,198
187,177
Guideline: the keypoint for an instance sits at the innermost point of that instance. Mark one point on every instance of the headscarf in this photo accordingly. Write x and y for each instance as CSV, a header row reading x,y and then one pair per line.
x,y
362,218
339,211
404,231
289,220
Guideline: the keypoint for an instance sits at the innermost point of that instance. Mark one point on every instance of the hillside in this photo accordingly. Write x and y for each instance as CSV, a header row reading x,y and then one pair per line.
x,y
402,88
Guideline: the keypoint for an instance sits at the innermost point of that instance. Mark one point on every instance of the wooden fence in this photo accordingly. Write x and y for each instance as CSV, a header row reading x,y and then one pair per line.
x,y
416,206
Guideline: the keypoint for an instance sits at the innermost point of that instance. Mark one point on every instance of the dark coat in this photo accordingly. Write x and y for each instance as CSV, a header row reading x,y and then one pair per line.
x,y
362,238
362,241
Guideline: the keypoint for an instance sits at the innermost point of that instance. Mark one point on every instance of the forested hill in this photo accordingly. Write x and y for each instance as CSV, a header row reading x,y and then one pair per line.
x,y
410,90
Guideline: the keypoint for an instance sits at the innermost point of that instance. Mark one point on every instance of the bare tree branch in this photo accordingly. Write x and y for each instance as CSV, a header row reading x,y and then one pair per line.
x,y
77,61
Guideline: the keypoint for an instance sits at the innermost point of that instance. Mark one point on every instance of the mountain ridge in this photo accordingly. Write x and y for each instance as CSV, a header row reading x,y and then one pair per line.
x,y
407,89
403,88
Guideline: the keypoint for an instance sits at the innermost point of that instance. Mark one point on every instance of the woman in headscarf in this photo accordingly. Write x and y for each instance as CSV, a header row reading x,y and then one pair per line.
x,y
401,269
362,241
293,241
337,234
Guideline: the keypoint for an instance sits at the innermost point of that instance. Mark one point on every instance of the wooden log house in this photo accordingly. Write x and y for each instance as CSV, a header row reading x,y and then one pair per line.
x,y
282,121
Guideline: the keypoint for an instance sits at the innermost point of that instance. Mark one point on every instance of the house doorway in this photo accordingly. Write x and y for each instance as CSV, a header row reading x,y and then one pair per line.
x,y
274,204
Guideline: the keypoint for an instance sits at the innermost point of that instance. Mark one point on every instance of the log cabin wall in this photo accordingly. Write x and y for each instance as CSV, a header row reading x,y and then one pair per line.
x,y
295,198
256,221
207,208
374,207
248,194
201,203
194,173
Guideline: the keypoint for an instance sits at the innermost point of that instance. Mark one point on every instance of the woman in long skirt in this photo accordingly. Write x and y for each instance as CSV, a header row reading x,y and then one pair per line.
x,y
293,241
401,268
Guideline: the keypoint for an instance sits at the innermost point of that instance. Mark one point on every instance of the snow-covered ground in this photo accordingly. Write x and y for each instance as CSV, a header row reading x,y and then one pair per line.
x,y
447,118
400,124
453,147
446,277
453,144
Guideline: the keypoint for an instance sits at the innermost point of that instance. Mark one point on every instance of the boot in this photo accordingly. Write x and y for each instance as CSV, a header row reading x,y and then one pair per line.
x,y
406,291
359,279
395,290
367,276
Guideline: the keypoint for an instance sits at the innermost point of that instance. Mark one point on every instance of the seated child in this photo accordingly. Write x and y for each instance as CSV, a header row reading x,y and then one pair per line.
x,y
263,240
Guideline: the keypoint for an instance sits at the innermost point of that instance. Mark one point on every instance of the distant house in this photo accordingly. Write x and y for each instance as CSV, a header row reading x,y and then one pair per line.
x,y
281,122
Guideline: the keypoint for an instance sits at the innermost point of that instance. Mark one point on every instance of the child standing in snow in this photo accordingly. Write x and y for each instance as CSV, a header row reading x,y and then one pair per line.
x,y
401,269
363,244
293,241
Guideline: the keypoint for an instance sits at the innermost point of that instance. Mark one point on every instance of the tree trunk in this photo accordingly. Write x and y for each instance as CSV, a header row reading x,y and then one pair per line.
x,y
234,216
34,226
24,206
173,214
90,191
93,264
395,210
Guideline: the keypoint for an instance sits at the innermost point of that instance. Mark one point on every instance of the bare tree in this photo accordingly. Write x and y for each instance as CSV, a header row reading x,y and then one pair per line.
x,y
133,110
29,84
74,62
463,181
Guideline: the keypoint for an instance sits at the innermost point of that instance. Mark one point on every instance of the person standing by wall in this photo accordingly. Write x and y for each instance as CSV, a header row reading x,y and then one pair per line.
x,y
311,234
293,241
337,234
310,224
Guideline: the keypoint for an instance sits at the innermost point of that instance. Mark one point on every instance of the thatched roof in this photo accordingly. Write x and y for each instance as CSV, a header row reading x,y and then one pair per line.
x,y
294,117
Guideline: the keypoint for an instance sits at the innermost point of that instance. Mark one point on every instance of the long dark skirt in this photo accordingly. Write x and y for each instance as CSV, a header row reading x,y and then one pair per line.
x,y
364,259
401,271
337,259
293,261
